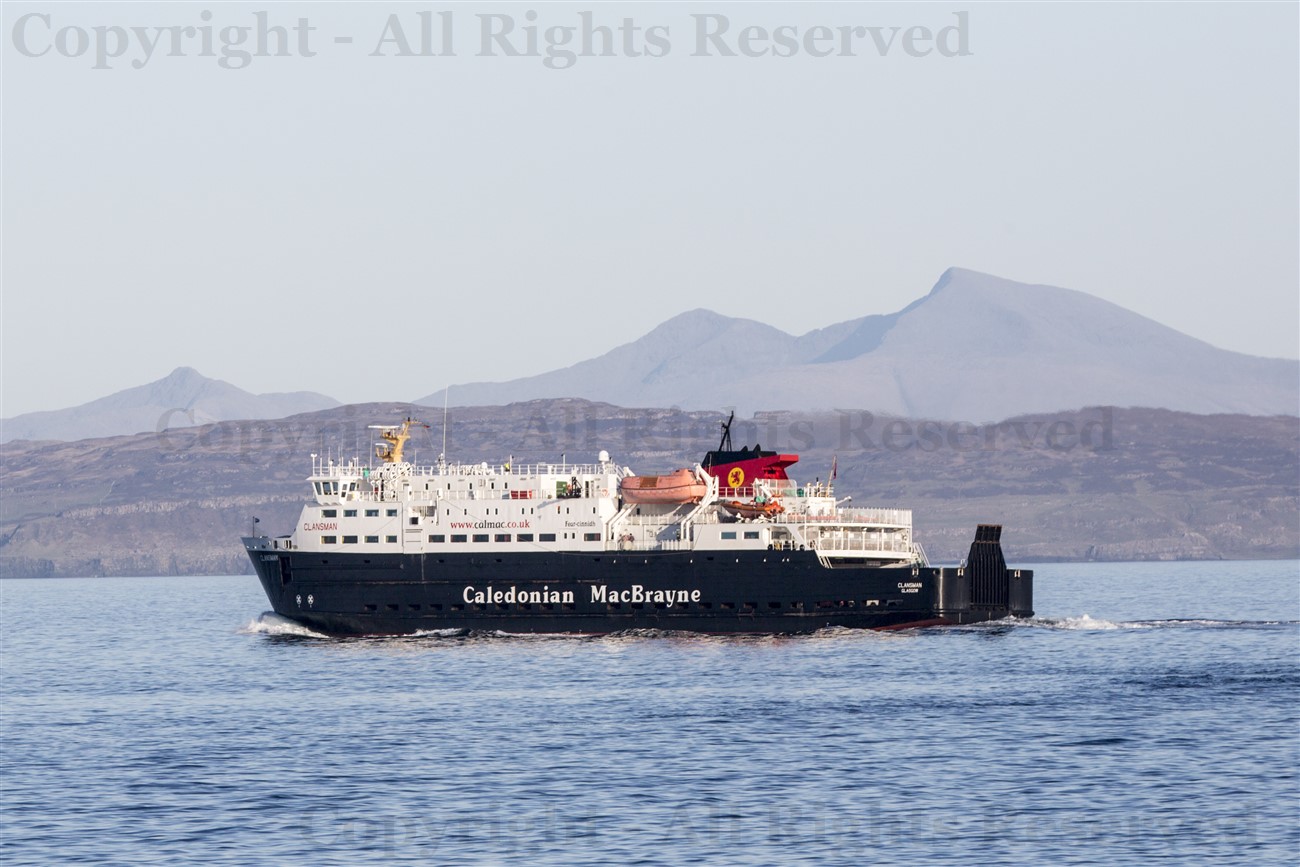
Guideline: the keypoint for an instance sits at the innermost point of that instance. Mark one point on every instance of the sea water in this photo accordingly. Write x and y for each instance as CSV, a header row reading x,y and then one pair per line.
x,y
1149,713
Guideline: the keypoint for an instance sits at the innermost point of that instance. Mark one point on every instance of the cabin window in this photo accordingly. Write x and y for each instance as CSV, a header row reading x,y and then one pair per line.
x,y
392,513
329,513
372,540
438,537
546,537
459,537
372,513
524,537
751,534
390,538
349,513
729,534
502,537
328,540
349,540
480,537
591,537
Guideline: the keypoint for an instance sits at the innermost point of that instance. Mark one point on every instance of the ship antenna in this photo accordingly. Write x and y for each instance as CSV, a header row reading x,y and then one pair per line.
x,y
725,444
446,391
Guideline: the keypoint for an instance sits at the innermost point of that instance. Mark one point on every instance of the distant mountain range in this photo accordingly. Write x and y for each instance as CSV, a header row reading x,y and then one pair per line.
x,y
976,348
181,399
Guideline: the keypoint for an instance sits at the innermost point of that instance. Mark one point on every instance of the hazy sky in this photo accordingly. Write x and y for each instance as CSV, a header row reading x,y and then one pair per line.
x,y
375,227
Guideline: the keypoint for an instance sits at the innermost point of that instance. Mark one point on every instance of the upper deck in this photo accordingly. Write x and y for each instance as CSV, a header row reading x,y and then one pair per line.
x,y
578,507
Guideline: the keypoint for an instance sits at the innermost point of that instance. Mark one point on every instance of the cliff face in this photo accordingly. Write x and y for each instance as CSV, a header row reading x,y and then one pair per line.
x,y
1108,484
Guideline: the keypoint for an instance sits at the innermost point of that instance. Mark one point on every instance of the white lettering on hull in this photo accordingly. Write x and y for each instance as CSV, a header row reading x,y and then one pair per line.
x,y
636,593
492,596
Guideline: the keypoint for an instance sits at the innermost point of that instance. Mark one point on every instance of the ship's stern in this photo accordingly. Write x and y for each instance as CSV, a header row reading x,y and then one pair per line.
x,y
983,588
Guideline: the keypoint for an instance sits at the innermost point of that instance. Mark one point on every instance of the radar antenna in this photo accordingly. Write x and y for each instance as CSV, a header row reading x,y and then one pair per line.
x,y
395,436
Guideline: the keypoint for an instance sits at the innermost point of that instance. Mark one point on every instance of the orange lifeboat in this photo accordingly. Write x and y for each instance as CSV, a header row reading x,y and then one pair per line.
x,y
752,510
679,486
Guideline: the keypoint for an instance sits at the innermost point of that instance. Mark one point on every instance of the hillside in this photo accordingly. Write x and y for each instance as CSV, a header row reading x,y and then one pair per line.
x,y
1107,484
976,348
181,399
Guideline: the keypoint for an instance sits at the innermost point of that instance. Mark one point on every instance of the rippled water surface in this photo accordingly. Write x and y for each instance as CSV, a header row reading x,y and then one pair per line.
x,y
1149,714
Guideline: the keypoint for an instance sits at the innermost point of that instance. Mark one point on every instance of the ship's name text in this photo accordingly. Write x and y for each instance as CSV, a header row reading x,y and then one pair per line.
x,y
328,525
599,593
491,596
637,593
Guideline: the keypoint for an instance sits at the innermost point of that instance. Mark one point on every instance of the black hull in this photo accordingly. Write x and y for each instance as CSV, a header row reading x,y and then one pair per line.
x,y
768,592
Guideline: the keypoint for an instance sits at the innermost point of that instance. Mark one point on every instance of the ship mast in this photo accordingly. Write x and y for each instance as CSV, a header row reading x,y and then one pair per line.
x,y
396,437
725,444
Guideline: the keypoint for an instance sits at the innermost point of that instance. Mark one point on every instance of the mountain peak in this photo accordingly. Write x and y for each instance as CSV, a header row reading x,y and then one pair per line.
x,y
182,397
965,279
976,347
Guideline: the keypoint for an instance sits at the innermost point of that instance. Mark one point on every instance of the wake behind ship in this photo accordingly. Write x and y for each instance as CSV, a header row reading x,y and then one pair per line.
x,y
732,545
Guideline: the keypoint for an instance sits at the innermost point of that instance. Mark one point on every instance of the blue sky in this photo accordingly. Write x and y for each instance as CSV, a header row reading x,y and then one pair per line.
x,y
375,227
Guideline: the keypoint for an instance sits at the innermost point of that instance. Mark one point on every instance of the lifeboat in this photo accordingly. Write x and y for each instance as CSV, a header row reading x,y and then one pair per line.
x,y
678,487
753,510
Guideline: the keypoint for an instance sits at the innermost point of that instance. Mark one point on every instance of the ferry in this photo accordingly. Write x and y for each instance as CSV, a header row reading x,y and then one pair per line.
x,y
730,545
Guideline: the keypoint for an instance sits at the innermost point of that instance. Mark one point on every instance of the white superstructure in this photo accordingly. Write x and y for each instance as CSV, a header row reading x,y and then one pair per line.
x,y
452,508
